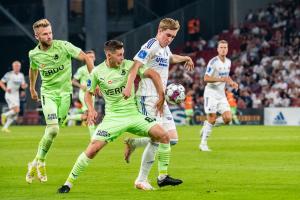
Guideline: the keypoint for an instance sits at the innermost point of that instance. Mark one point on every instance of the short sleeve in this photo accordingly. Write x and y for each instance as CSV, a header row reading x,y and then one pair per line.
x,y
142,70
78,74
147,50
71,49
33,64
210,68
92,82
5,78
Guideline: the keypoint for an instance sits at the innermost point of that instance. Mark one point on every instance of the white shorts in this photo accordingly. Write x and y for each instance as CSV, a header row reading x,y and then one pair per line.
x,y
147,107
215,105
12,99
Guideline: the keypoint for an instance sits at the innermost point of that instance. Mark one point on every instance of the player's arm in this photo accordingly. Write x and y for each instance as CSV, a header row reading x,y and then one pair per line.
x,y
233,84
3,86
76,83
84,58
155,77
188,62
131,77
24,85
92,114
33,74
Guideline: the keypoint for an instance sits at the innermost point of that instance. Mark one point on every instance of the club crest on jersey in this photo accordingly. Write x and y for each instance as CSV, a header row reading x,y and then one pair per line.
x,y
88,83
56,56
109,82
43,65
142,54
123,72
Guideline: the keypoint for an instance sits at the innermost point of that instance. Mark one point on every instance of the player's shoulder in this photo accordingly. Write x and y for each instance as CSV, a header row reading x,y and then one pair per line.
x,y
152,42
227,60
213,60
34,51
128,63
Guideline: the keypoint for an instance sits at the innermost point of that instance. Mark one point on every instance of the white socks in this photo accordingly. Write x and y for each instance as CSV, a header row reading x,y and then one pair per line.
x,y
206,130
148,159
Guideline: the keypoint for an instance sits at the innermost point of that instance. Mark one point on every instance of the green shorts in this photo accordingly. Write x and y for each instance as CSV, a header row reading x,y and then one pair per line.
x,y
55,109
115,125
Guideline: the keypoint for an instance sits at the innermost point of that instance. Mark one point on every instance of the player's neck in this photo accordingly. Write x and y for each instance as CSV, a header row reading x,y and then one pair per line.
x,y
110,64
222,58
44,47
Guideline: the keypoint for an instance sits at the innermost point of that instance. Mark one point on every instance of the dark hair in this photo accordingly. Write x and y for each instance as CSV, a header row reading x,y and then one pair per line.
x,y
90,51
113,45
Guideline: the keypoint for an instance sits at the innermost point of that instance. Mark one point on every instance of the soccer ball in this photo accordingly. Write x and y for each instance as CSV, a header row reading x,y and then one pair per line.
x,y
175,93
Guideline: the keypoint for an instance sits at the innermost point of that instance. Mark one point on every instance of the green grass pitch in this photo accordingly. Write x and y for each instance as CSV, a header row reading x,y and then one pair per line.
x,y
247,163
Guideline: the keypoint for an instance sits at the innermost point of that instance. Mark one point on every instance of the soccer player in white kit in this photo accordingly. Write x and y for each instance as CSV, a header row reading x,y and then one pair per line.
x,y
156,54
11,83
215,101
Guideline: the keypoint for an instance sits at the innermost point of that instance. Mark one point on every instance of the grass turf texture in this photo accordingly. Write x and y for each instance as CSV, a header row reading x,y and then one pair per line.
x,y
247,162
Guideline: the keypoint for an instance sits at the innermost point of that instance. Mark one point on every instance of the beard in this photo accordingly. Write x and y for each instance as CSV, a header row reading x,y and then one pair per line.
x,y
46,44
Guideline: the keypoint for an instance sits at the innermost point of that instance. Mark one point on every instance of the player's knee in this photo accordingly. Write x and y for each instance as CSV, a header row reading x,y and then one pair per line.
x,y
165,138
173,142
52,130
227,120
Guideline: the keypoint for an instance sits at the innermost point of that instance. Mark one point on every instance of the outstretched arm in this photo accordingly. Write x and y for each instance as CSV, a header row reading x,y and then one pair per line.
x,y
33,74
188,62
131,77
84,58
152,74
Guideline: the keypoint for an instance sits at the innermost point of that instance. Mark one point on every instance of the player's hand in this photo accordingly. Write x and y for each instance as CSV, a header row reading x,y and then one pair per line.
x,y
8,90
98,92
226,80
92,117
160,106
34,95
126,92
189,64
234,85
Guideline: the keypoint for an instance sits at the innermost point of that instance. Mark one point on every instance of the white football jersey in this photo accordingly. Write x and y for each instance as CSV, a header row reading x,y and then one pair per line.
x,y
13,81
157,58
217,68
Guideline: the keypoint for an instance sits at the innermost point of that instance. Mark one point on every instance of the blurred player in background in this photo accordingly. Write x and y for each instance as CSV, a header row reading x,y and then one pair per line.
x,y
80,80
11,83
155,54
52,58
215,101
122,115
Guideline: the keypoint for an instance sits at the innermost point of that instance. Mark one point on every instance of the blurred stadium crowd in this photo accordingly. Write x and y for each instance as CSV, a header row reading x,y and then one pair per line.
x,y
265,54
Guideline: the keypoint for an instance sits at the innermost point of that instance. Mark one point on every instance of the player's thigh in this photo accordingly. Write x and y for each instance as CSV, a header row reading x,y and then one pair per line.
x,y
140,124
210,104
110,129
168,123
64,106
50,109
12,101
223,106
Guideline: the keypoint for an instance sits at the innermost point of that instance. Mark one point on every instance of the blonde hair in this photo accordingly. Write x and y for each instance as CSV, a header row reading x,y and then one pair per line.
x,y
222,42
40,23
168,23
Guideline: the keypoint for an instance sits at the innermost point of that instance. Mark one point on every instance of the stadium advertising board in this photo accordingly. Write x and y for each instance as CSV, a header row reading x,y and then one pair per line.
x,y
245,116
282,116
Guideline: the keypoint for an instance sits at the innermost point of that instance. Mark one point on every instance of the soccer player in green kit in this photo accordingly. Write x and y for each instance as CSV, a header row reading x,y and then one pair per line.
x,y
121,115
52,58
80,80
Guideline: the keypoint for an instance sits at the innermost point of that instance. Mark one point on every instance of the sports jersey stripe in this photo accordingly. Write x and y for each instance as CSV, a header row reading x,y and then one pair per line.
x,y
144,111
150,43
213,60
